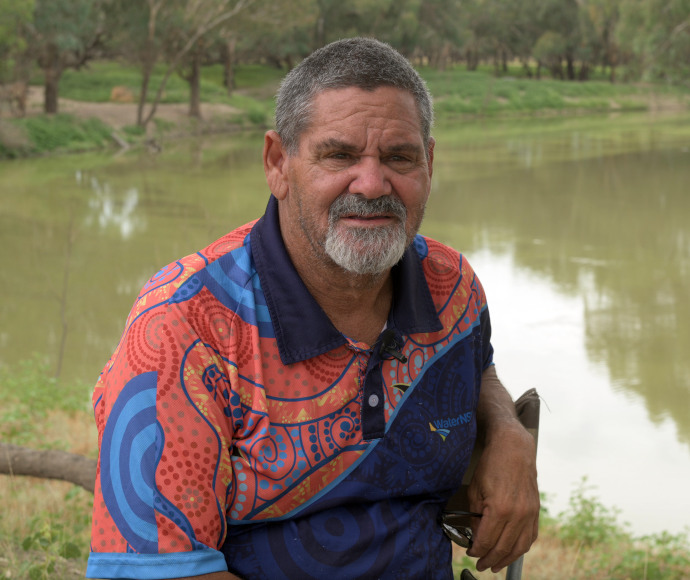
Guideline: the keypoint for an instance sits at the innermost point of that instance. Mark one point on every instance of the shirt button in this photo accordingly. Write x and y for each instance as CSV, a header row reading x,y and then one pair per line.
x,y
373,400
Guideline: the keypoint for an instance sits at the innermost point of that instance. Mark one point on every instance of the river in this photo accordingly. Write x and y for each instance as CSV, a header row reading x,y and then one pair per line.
x,y
579,229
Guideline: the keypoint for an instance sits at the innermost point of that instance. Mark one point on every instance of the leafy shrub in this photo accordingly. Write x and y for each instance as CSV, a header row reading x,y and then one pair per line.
x,y
588,522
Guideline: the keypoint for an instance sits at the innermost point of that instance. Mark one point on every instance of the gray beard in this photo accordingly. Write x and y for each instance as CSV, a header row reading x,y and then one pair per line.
x,y
366,250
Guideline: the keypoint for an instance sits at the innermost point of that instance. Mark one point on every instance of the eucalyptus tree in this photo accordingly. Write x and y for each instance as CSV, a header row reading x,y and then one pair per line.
x,y
442,27
560,22
64,34
657,35
171,30
15,16
277,33
604,16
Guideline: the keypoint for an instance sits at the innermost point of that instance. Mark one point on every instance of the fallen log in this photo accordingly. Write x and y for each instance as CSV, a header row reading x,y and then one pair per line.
x,y
48,464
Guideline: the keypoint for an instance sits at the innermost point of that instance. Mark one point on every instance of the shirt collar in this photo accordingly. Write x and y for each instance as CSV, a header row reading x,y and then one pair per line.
x,y
302,328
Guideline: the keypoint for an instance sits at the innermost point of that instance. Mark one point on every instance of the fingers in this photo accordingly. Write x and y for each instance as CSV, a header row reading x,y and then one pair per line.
x,y
501,537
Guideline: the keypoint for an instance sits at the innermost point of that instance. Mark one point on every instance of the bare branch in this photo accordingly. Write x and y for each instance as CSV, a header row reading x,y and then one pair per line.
x,y
48,464
202,30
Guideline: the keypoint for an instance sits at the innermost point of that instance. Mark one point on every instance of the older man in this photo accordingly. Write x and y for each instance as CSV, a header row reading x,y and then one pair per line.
x,y
300,399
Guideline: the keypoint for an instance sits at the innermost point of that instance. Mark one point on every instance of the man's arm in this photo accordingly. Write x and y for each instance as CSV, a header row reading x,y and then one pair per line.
x,y
504,486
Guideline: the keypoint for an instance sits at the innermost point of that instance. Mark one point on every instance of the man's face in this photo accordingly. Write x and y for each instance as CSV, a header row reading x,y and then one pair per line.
x,y
357,187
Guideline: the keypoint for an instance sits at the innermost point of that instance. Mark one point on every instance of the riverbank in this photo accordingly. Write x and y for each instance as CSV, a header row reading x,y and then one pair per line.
x,y
98,107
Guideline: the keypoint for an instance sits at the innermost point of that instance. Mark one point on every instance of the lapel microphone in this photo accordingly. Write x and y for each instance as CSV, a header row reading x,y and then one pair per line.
x,y
390,346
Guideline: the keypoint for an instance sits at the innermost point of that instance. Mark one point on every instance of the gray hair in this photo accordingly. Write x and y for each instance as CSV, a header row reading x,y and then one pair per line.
x,y
364,63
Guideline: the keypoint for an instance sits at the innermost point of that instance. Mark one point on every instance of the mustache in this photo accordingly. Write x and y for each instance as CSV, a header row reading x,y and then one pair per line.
x,y
349,204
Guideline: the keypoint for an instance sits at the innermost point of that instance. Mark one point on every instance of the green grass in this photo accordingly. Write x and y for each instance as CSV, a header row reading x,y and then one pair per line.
x,y
460,92
457,93
96,82
47,134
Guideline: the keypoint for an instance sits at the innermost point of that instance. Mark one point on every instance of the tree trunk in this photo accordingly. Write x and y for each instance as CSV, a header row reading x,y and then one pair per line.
x,y
229,65
48,464
583,75
570,64
195,86
472,59
527,69
51,74
146,71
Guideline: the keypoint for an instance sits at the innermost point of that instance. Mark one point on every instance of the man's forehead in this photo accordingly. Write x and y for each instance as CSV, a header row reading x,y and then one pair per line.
x,y
330,108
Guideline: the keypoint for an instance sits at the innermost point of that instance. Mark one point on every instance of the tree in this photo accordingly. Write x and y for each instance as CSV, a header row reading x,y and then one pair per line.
x,y
561,17
64,34
172,29
15,16
605,17
439,34
549,51
657,34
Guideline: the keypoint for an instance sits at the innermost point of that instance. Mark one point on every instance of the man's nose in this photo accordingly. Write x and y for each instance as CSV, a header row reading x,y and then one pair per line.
x,y
370,178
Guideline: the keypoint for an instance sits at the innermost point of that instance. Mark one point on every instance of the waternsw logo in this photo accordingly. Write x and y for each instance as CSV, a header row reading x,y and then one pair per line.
x,y
443,426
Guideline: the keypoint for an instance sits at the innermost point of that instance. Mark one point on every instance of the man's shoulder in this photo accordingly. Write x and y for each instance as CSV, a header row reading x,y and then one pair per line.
x,y
437,255
166,283
444,265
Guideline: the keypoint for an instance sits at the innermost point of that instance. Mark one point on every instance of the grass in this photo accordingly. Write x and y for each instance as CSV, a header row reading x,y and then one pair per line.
x,y
57,133
96,82
45,534
460,92
457,93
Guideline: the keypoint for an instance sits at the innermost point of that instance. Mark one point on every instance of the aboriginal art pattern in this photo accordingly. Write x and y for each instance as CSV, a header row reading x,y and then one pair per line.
x,y
216,455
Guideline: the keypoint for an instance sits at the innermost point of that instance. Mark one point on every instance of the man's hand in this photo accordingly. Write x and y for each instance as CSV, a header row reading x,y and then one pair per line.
x,y
504,486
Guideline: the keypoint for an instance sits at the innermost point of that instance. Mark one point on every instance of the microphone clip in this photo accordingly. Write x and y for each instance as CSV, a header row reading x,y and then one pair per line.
x,y
390,346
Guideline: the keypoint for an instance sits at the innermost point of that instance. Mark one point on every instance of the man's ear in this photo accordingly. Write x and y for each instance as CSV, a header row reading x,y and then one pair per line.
x,y
275,165
430,160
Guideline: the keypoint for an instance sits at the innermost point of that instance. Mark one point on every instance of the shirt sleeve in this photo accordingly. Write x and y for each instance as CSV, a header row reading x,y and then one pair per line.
x,y
479,295
161,407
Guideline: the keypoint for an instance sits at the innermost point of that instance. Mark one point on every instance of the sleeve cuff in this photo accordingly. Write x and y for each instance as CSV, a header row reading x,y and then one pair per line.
x,y
123,566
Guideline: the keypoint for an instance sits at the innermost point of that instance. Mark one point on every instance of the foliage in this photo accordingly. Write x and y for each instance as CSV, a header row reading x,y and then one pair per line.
x,y
14,16
28,394
606,549
587,522
53,542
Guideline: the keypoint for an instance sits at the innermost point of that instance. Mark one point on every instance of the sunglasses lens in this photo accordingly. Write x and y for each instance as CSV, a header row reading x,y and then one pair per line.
x,y
461,535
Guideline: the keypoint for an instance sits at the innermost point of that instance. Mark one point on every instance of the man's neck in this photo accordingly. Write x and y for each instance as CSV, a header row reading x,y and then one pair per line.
x,y
357,305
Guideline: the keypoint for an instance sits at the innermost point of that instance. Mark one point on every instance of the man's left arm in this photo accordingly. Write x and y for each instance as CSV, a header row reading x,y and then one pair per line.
x,y
504,486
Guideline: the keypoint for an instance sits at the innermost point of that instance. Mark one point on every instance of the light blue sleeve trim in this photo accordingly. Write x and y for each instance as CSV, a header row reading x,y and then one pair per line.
x,y
116,566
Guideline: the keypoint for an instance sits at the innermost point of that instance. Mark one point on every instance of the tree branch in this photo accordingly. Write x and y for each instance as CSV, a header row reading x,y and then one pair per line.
x,y
204,28
48,464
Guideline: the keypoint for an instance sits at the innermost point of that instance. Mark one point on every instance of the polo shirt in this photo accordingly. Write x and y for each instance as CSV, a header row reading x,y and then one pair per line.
x,y
240,430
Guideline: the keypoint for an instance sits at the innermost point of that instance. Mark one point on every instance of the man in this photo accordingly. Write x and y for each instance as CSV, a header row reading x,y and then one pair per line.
x,y
278,404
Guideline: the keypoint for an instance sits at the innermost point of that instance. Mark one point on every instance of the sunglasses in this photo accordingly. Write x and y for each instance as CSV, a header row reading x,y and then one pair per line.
x,y
454,526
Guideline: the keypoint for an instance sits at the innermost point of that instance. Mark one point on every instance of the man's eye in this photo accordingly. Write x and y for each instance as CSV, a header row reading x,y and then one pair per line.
x,y
399,160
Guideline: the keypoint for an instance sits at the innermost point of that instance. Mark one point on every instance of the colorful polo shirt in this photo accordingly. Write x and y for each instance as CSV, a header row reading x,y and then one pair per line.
x,y
240,430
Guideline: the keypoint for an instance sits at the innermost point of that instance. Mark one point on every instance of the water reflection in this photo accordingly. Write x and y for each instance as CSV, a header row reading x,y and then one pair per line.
x,y
110,209
613,229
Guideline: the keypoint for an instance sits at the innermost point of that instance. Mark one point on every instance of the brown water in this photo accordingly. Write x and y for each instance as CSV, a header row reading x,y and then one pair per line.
x,y
578,228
